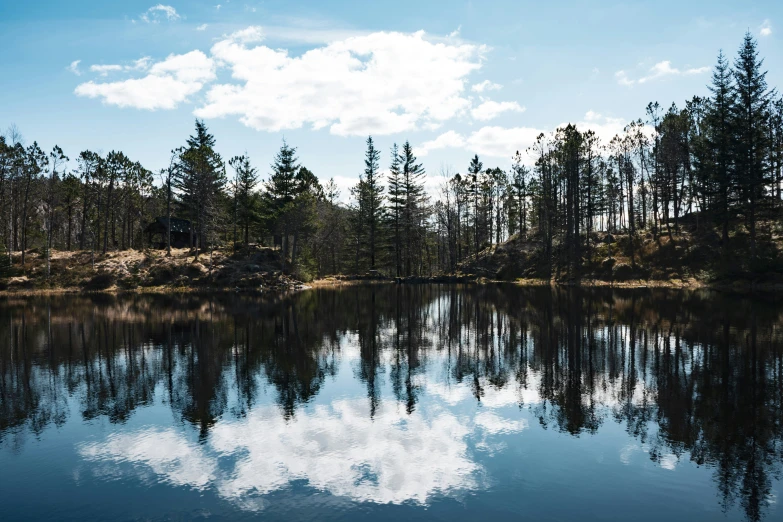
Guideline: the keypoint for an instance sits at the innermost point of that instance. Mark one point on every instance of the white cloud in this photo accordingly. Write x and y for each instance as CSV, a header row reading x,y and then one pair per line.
x,y
447,140
489,110
622,78
501,142
659,70
156,13
142,64
605,127
169,83
104,70
766,28
504,142
592,116
217,7
74,67
358,84
486,85
455,33
245,36
380,83
202,27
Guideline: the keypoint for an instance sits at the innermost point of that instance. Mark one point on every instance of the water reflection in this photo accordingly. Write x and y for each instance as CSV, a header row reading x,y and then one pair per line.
x,y
689,376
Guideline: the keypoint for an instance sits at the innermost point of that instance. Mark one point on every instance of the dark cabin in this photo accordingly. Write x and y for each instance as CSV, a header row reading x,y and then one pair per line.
x,y
180,233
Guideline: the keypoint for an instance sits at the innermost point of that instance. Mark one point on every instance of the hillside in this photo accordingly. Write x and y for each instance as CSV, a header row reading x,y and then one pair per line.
x,y
690,258
258,269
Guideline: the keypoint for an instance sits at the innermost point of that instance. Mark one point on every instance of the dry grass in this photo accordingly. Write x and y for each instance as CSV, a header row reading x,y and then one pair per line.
x,y
147,271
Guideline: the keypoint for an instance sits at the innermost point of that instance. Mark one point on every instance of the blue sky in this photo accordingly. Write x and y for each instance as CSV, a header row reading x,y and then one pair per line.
x,y
455,78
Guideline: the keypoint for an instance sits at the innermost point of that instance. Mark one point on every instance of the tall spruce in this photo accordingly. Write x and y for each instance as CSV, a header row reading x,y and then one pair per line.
x,y
200,180
371,193
750,132
719,140
412,176
396,204
281,191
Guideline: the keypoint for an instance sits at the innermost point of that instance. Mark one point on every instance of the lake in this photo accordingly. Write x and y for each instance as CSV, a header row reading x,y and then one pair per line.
x,y
393,402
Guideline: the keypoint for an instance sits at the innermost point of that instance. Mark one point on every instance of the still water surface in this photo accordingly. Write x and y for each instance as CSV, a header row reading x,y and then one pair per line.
x,y
393,402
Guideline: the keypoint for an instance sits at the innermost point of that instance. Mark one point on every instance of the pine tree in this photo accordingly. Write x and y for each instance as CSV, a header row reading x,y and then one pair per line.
x,y
396,205
371,193
750,131
719,140
200,179
281,190
245,181
412,176
474,179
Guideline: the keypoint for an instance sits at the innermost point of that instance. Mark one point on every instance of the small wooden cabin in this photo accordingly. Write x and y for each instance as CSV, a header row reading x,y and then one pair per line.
x,y
181,235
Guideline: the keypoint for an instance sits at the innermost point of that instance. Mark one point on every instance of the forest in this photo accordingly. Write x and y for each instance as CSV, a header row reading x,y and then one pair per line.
x,y
710,168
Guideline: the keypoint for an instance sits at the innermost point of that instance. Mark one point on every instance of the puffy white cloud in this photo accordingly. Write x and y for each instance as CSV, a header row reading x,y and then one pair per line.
x,y
447,140
74,67
381,83
659,70
358,84
766,28
489,110
202,27
605,127
502,142
168,83
486,85
156,13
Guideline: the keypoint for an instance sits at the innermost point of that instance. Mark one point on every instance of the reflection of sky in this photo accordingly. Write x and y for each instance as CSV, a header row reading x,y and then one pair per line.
x,y
391,458
335,445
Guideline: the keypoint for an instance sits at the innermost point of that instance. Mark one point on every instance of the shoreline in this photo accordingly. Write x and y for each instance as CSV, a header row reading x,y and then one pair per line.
x,y
742,287
739,287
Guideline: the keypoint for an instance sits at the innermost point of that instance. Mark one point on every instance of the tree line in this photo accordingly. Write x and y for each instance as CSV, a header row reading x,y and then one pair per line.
x,y
713,165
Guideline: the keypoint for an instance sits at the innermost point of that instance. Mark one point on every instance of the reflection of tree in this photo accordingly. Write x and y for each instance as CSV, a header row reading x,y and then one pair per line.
x,y
690,375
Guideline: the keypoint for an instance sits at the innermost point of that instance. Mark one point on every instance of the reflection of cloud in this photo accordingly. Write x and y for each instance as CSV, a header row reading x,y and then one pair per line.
x,y
166,452
669,461
626,452
390,458
494,425
493,397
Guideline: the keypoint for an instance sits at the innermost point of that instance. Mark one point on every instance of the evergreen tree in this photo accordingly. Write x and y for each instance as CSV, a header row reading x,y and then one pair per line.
x,y
412,176
245,181
281,191
371,194
474,179
396,206
719,140
750,131
200,180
